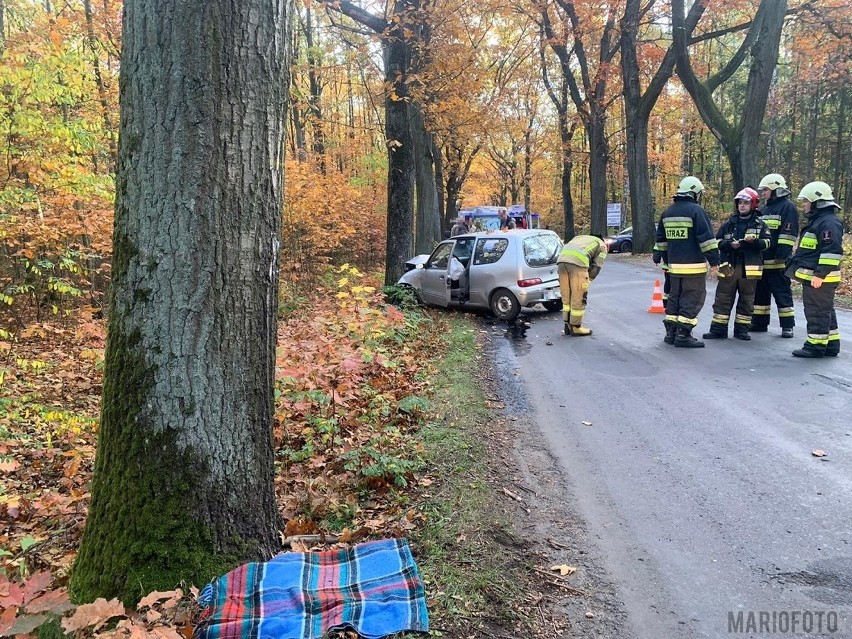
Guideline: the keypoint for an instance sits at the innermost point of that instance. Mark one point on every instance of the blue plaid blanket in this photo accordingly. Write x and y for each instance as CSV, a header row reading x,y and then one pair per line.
x,y
373,588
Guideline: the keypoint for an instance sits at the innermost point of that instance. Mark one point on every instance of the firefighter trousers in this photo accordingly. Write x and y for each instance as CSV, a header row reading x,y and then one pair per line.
x,y
733,287
773,283
823,335
686,300
574,289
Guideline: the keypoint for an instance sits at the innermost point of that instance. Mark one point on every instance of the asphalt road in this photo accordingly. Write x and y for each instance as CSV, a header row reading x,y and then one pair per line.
x,y
695,476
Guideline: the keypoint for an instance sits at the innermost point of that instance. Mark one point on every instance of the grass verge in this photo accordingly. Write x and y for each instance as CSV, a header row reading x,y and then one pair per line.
x,y
462,550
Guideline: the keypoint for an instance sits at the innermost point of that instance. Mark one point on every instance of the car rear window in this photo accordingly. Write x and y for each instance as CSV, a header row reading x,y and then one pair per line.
x,y
489,250
542,249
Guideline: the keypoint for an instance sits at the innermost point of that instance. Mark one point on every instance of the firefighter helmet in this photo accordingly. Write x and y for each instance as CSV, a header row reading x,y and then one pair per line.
x,y
816,191
772,181
690,184
748,195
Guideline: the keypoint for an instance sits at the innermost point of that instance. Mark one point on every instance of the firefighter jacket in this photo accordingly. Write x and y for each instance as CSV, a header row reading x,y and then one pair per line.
x,y
820,248
584,250
782,218
685,239
747,254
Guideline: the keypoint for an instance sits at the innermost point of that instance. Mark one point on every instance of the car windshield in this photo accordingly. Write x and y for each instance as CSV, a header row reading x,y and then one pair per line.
x,y
542,249
440,257
627,231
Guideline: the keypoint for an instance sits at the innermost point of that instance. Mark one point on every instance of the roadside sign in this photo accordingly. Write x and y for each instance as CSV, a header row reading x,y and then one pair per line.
x,y
613,214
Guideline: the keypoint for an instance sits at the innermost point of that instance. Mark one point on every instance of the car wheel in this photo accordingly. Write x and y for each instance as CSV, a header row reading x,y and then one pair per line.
x,y
504,305
627,246
553,305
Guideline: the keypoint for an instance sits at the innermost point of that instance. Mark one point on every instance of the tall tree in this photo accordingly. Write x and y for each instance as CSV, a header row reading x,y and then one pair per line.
x,y
396,36
637,108
575,48
567,127
182,487
740,139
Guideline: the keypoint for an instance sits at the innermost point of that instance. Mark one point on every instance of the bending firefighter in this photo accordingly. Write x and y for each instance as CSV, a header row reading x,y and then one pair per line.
x,y
816,264
687,244
579,262
782,218
742,240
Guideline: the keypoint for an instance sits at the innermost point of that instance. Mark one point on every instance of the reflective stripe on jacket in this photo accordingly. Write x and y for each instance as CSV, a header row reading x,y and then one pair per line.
x,y
583,250
749,254
820,248
782,218
685,238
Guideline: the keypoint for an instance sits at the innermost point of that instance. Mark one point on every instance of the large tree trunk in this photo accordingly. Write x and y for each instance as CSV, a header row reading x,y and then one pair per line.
x,y
566,134
428,229
740,139
183,480
397,51
598,159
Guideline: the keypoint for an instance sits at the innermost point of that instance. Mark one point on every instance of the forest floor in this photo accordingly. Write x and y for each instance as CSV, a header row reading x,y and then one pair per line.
x,y
373,440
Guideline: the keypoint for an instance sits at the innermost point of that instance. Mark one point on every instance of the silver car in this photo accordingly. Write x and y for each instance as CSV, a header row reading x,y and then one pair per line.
x,y
502,271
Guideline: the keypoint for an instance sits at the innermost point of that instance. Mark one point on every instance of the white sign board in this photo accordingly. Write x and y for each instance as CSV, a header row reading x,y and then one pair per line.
x,y
613,215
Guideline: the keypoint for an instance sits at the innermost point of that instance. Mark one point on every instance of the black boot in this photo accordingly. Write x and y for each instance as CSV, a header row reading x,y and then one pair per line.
x,y
742,333
671,329
684,339
809,351
786,332
759,329
833,348
716,333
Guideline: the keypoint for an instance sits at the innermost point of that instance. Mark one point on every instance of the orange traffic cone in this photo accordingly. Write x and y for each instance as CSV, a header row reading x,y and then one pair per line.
x,y
657,305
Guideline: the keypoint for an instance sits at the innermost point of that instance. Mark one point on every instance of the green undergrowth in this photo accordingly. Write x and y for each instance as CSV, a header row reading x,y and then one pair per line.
x,y
468,574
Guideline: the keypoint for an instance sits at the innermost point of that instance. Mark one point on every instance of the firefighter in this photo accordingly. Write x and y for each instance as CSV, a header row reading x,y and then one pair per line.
x,y
782,218
579,262
685,238
742,240
816,264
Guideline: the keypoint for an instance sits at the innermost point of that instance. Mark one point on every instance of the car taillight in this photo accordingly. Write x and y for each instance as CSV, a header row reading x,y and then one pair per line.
x,y
532,282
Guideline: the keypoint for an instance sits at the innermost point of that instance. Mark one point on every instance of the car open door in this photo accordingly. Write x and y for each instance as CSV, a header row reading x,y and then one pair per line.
x,y
435,281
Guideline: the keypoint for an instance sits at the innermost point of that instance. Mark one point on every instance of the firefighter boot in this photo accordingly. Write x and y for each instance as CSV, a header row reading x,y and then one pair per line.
x,y
833,348
684,338
741,332
786,332
718,331
809,351
580,331
671,329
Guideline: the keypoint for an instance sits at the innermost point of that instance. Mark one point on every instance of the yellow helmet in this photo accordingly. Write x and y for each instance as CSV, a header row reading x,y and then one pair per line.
x,y
690,184
772,181
814,191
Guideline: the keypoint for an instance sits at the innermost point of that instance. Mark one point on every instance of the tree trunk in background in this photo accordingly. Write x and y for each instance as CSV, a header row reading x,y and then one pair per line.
x,y
566,135
401,168
102,94
598,159
183,479
739,140
439,181
638,107
762,63
2,26
315,98
396,35
428,223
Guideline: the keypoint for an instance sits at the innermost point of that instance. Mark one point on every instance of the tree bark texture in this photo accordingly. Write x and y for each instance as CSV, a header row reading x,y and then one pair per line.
x,y
183,481
428,226
400,223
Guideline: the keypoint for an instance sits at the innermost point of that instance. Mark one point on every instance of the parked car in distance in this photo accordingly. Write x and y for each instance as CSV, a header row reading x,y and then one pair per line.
x,y
506,271
621,242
